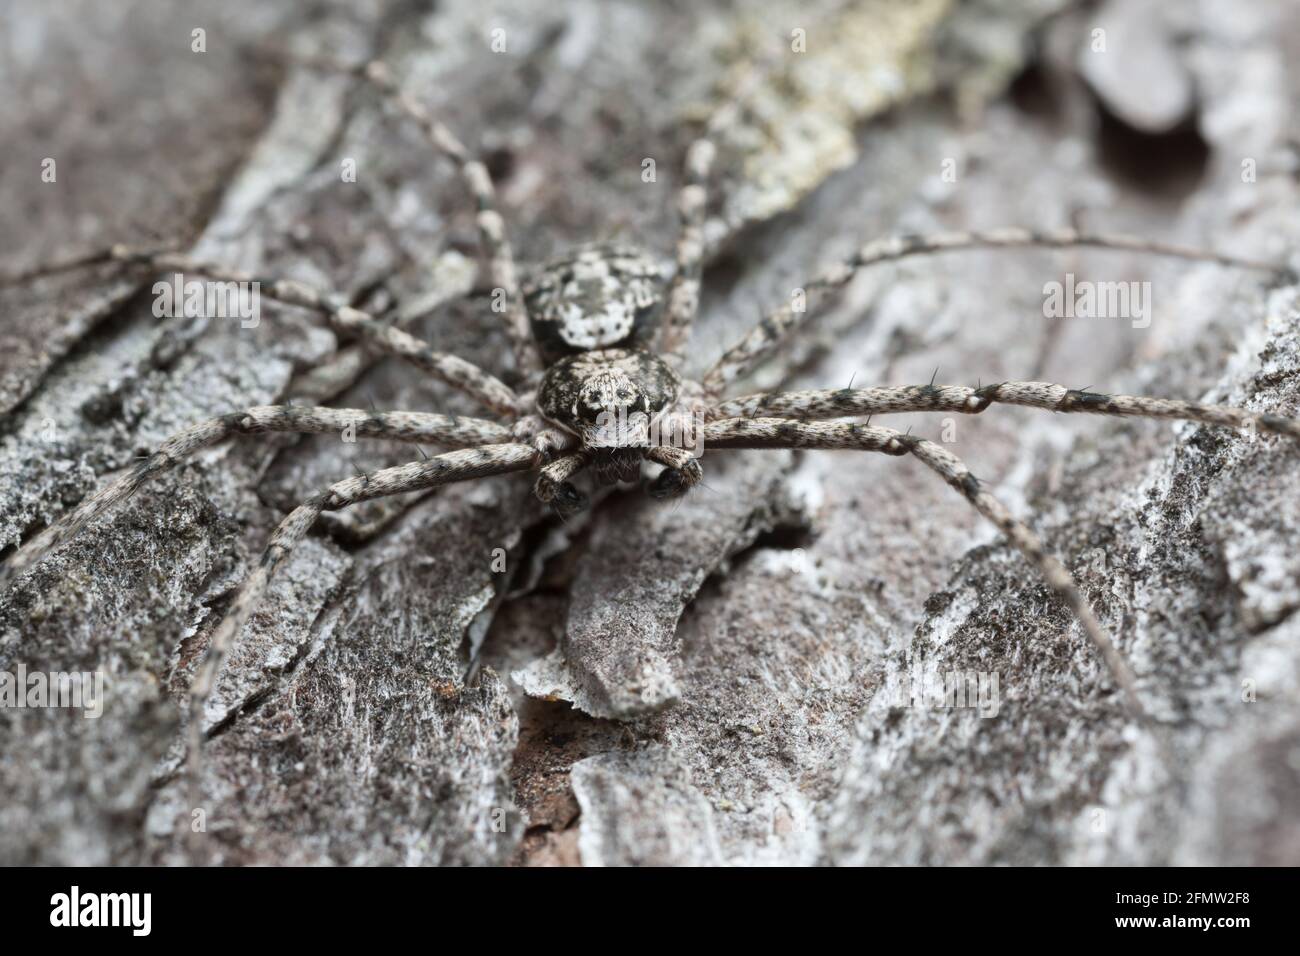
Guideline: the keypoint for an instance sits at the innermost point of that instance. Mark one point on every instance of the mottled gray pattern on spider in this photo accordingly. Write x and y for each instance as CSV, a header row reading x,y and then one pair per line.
x,y
594,297
598,338
594,312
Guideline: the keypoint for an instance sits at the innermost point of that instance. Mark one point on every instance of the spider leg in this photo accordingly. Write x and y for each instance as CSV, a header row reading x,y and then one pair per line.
x,y
553,485
692,201
843,402
465,376
337,374
530,430
395,426
684,292
534,430
491,226
776,325
786,433
461,465
681,473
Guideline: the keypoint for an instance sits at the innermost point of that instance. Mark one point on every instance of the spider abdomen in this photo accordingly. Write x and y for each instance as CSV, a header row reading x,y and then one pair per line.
x,y
596,297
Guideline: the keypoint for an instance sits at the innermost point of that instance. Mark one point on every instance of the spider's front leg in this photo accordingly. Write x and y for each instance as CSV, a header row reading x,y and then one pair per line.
x,y
844,402
681,473
762,340
534,430
788,433
382,336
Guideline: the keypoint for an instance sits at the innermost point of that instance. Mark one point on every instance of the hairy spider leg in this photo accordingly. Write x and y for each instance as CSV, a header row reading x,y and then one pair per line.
x,y
778,324
172,452
787,433
384,337
491,225
461,465
845,402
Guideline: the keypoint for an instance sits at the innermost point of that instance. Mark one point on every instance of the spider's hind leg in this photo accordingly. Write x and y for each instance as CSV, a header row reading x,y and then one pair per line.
x,y
394,426
385,338
478,181
684,293
692,203
788,433
461,465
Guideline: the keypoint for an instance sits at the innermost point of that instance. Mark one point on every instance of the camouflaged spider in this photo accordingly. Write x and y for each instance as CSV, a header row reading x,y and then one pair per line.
x,y
598,339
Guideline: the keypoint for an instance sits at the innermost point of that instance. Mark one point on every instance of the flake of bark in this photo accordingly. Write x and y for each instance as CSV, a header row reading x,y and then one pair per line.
x,y
641,569
643,809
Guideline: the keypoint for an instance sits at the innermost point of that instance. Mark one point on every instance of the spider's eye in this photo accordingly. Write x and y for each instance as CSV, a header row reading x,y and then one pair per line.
x,y
589,406
624,395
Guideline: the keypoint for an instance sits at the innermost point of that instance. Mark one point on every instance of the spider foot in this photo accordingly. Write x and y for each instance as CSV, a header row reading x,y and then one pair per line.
x,y
563,496
568,500
675,482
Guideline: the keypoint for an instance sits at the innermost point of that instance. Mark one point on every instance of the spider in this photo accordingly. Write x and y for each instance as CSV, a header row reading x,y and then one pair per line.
x,y
598,338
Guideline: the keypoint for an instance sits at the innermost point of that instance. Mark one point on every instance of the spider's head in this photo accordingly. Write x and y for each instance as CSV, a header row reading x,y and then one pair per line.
x,y
596,297
612,410
610,399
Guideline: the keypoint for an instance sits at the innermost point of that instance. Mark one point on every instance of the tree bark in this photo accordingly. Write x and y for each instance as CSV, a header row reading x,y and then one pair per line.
x,y
737,679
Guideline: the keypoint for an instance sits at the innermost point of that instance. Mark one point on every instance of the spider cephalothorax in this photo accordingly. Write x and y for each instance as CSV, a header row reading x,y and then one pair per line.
x,y
612,400
594,297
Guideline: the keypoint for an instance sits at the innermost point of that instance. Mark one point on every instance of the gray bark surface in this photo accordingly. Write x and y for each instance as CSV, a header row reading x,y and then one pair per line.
x,y
727,680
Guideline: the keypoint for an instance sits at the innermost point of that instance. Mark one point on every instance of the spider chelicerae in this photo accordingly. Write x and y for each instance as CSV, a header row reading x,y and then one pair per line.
x,y
598,340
